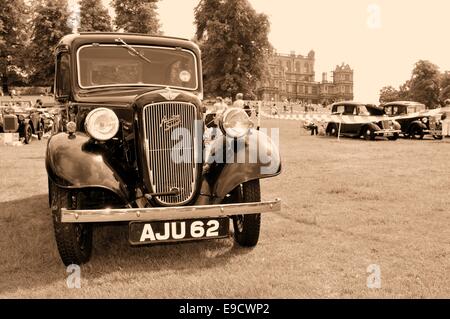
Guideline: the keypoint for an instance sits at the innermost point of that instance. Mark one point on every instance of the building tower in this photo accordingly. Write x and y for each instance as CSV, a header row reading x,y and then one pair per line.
x,y
343,82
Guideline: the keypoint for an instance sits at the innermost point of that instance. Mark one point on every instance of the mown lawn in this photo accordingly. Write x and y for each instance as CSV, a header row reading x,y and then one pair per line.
x,y
346,205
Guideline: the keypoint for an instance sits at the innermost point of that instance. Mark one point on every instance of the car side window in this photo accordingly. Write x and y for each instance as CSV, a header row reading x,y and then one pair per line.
x,y
339,109
411,109
62,85
349,110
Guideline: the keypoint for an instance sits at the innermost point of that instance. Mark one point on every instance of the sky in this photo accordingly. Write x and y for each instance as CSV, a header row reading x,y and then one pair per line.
x,y
380,39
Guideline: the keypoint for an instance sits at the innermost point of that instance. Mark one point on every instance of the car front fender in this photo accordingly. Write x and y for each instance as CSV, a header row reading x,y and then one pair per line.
x,y
418,123
255,157
71,163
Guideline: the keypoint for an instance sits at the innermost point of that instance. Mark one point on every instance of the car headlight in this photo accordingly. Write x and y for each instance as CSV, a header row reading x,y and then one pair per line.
x,y
236,123
102,124
425,120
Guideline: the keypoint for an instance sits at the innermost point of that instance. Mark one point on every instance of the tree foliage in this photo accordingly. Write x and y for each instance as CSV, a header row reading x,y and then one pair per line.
x,y
137,16
50,24
425,83
12,40
389,94
234,41
445,86
94,16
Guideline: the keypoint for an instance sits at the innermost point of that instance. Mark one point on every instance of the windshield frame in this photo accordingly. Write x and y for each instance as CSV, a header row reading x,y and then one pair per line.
x,y
136,84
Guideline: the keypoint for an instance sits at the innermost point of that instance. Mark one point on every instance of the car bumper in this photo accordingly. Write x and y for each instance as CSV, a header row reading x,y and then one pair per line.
x,y
387,132
433,132
167,213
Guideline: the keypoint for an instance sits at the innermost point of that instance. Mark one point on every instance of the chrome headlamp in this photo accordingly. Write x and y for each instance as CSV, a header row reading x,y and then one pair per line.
x,y
425,120
236,123
102,124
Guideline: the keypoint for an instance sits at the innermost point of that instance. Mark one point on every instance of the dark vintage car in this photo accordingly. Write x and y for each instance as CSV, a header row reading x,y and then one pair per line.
x,y
129,148
415,124
19,116
356,119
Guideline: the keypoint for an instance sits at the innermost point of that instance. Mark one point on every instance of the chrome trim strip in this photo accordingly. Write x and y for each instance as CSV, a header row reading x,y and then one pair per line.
x,y
387,131
167,213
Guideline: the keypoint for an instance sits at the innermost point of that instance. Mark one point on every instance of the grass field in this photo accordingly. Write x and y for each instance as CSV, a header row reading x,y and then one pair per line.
x,y
346,204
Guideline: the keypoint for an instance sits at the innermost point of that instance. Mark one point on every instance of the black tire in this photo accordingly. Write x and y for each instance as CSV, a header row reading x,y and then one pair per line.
x,y
74,241
333,130
368,134
247,227
28,133
438,137
416,133
393,138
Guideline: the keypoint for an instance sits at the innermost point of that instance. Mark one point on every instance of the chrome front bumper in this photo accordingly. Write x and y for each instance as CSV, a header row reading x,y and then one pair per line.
x,y
167,213
387,132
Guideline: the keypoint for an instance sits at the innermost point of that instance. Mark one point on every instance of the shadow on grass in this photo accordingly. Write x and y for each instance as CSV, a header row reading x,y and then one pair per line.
x,y
30,259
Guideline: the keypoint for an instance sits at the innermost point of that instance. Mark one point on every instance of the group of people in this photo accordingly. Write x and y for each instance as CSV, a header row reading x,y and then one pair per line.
x,y
222,105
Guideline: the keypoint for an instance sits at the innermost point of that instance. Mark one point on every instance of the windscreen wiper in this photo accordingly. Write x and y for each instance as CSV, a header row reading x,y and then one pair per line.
x,y
133,50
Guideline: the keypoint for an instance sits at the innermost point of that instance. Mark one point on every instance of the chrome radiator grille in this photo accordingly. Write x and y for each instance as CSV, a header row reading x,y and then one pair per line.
x,y
166,172
386,124
10,123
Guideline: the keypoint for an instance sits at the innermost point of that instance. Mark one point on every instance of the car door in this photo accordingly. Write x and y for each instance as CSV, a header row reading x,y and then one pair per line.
x,y
350,127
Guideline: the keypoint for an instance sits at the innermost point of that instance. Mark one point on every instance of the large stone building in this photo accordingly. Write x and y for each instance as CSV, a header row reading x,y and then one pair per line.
x,y
292,77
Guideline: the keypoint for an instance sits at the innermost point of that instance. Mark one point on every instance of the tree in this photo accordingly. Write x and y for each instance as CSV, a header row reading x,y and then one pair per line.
x,y
12,40
445,86
234,42
389,94
425,84
94,16
50,24
137,16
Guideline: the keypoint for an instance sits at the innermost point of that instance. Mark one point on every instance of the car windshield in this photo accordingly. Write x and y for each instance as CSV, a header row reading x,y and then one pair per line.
x,y
123,65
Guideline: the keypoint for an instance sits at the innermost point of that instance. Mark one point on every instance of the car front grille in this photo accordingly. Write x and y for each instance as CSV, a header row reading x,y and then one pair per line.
x,y
10,124
386,124
165,173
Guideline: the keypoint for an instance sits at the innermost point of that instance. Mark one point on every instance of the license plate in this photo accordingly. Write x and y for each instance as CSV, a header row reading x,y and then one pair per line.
x,y
144,233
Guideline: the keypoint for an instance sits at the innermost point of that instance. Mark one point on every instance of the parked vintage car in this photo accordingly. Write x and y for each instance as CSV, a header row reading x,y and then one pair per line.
x,y
18,116
414,123
129,148
363,120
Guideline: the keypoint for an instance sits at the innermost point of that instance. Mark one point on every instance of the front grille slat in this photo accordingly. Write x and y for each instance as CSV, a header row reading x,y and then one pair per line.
x,y
165,173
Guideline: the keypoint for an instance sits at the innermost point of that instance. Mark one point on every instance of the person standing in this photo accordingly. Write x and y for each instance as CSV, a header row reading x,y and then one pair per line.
x,y
446,120
239,102
219,107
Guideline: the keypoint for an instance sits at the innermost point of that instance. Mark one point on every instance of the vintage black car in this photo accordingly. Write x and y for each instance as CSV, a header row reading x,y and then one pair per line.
x,y
19,116
129,148
415,124
356,119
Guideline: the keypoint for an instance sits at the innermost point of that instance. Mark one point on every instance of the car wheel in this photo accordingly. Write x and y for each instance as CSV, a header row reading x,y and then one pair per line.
x,y
417,133
393,138
247,227
368,134
437,137
28,133
332,130
74,241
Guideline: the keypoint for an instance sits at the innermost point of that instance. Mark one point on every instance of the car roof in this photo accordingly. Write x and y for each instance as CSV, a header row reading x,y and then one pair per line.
x,y
349,103
79,39
404,103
